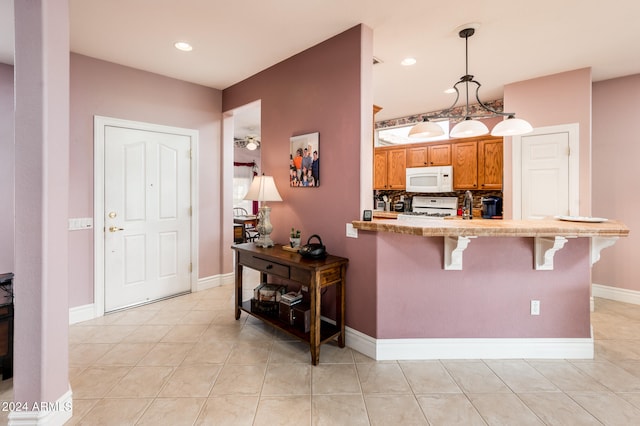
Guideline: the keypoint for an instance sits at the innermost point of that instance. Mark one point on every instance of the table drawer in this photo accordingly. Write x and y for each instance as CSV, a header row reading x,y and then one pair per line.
x,y
329,277
264,265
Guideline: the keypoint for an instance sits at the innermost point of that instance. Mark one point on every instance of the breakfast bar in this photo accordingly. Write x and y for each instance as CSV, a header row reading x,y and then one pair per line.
x,y
549,235
524,290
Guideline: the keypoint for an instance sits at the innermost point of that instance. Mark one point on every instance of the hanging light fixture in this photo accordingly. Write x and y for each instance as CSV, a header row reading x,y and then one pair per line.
x,y
469,127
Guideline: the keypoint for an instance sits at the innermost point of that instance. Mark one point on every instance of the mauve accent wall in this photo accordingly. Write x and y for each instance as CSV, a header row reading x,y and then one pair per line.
x,y
616,150
321,90
7,156
111,90
488,298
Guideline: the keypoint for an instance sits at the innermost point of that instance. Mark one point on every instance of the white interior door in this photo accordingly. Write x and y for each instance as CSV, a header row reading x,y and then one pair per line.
x,y
147,215
545,170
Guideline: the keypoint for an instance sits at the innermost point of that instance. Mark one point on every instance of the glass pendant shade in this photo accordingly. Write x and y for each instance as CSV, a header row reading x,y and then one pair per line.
x,y
426,129
469,128
511,126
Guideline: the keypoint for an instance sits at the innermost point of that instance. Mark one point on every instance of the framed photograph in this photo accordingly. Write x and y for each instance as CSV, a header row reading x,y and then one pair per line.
x,y
304,160
367,215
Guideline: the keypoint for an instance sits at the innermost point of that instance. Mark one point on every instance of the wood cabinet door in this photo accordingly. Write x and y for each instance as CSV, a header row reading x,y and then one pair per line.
x,y
396,169
440,155
465,165
417,157
380,169
490,164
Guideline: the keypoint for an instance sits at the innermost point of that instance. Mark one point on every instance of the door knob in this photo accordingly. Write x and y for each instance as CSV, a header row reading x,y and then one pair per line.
x,y
115,228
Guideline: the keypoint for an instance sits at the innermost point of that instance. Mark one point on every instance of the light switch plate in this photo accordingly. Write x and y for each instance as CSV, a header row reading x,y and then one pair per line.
x,y
351,231
78,223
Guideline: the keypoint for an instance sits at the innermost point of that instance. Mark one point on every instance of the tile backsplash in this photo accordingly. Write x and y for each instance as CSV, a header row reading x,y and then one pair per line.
x,y
394,196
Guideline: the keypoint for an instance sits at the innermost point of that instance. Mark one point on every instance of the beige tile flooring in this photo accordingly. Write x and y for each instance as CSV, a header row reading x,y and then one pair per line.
x,y
187,361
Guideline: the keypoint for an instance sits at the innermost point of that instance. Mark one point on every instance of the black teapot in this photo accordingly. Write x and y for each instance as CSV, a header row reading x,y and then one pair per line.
x,y
313,250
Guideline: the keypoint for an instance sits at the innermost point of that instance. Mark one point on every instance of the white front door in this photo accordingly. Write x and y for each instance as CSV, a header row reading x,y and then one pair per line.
x,y
545,171
147,215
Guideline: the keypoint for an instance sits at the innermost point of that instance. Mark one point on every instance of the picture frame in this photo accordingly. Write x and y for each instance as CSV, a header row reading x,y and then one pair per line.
x,y
304,160
367,215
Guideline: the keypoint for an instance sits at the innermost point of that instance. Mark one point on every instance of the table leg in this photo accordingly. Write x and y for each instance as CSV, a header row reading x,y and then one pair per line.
x,y
314,338
340,305
238,288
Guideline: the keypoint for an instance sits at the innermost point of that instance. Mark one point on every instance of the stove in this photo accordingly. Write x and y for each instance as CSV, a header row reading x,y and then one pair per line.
x,y
430,208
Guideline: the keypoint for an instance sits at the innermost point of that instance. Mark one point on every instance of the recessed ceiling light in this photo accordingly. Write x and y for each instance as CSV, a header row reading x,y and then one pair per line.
x,y
184,46
408,61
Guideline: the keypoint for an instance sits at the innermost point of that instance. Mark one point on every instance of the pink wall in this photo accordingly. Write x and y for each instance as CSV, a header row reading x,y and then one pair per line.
x,y
489,298
6,169
41,352
615,176
107,89
548,101
319,90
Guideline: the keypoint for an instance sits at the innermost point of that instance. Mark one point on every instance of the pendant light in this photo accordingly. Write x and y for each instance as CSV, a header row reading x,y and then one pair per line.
x,y
469,127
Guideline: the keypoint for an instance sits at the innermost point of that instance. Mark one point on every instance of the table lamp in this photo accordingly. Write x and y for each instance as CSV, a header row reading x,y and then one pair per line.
x,y
263,189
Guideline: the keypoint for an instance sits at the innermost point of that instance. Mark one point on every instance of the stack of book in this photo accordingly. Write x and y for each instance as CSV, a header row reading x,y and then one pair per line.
x,y
291,298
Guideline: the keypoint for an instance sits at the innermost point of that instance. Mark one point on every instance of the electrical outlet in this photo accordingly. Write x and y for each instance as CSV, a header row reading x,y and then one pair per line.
x,y
535,307
351,231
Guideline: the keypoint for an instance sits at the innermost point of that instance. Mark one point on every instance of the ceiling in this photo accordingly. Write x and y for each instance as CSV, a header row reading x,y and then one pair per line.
x,y
232,40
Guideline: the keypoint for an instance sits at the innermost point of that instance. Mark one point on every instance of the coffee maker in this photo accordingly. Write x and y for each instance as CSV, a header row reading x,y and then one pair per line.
x,y
492,208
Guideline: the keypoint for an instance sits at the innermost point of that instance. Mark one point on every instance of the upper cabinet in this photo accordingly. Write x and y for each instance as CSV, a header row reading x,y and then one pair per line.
x,y
477,164
465,165
389,168
490,165
429,155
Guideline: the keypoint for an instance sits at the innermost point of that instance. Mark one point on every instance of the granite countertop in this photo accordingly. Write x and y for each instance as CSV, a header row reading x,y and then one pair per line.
x,y
496,228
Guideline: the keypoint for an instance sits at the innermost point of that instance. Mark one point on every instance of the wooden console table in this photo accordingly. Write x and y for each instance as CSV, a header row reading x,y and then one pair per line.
x,y
314,274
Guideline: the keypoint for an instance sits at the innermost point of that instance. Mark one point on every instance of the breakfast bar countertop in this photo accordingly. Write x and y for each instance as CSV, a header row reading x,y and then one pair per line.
x,y
457,227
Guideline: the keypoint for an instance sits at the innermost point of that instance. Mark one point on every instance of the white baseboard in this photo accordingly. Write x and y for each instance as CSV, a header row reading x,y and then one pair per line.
x,y
424,349
214,281
88,312
616,293
82,313
45,413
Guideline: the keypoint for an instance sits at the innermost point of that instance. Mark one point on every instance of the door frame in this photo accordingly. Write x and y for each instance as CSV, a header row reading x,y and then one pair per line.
x,y
99,124
574,166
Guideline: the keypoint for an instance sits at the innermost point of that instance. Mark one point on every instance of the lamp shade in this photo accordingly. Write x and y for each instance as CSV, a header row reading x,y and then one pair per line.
x,y
426,129
469,128
263,188
511,127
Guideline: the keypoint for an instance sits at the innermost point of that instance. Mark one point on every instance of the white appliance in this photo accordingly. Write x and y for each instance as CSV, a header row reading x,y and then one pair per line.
x,y
430,208
429,179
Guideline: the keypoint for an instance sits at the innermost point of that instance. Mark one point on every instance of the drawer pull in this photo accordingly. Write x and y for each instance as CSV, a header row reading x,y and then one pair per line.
x,y
269,267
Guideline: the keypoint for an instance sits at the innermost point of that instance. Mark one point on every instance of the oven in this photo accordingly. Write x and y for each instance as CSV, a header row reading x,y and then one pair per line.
x,y
430,208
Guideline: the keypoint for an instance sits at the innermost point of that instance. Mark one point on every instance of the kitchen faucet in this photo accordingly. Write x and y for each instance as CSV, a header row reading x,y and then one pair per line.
x,y
467,206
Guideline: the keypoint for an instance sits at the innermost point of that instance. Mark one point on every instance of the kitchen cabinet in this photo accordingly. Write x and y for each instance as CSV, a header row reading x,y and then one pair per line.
x,y
389,168
429,155
465,165
477,164
490,164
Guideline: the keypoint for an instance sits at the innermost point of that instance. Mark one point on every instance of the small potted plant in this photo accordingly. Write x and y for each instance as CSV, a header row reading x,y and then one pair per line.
x,y
294,238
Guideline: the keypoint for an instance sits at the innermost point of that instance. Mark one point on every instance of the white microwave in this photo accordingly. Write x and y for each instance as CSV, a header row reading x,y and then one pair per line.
x,y
430,179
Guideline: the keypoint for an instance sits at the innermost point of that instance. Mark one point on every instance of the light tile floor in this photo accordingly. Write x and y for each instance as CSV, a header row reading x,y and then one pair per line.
x,y
187,361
